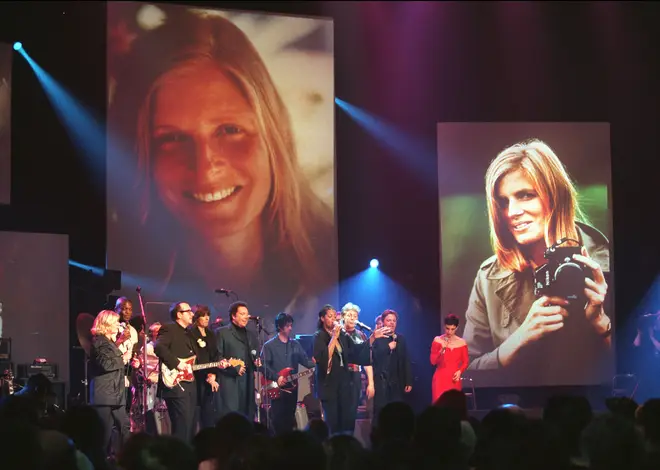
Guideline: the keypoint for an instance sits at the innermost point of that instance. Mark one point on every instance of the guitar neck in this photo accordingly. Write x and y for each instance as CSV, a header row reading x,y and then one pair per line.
x,y
293,377
208,365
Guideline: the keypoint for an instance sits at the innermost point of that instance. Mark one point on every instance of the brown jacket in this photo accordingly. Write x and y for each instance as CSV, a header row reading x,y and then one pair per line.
x,y
500,300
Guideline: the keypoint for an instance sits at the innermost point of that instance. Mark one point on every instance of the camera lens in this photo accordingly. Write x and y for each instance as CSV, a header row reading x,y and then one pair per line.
x,y
569,281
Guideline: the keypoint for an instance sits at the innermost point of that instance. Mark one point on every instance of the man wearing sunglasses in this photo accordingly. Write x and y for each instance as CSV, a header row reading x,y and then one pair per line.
x,y
173,344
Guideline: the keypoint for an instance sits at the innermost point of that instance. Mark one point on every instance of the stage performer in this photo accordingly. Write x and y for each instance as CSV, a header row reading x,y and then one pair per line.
x,y
175,343
127,340
279,353
333,352
349,314
106,369
449,355
206,348
235,341
392,366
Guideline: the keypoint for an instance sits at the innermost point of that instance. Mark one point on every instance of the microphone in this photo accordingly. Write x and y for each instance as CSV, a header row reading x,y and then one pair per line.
x,y
393,339
362,325
252,317
224,291
254,356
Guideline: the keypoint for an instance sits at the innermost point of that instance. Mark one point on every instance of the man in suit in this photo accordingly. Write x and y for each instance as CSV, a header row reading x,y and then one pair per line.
x,y
237,383
173,344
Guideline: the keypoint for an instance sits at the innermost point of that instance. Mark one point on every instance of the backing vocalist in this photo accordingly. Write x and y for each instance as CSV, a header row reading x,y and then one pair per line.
x,y
449,355
392,369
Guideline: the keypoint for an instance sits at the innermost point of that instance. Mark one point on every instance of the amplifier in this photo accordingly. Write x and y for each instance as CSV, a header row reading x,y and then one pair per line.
x,y
307,343
5,349
25,371
6,366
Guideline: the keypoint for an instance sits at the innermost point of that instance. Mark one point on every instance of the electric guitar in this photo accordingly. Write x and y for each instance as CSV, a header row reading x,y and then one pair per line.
x,y
173,377
290,382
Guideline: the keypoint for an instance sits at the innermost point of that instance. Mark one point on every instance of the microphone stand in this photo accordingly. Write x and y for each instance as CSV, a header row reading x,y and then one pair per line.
x,y
144,360
265,399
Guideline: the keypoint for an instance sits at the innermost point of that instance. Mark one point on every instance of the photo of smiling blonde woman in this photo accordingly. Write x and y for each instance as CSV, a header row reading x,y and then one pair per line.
x,y
212,183
532,204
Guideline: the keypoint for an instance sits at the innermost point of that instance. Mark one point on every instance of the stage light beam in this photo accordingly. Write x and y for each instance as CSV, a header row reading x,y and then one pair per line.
x,y
374,263
18,46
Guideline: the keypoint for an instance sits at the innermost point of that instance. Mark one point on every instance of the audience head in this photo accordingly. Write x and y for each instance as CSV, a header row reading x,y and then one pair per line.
x,y
456,400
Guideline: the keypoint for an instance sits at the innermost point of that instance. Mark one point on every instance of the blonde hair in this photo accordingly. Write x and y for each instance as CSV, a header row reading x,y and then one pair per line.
x,y
298,222
101,326
350,307
554,187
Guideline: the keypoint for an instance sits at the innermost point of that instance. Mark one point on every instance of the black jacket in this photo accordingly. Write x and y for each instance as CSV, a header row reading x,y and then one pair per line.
x,y
237,392
206,349
106,369
392,366
328,384
174,342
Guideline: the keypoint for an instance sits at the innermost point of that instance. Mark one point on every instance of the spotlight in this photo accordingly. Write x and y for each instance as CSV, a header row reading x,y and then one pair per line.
x,y
374,263
17,46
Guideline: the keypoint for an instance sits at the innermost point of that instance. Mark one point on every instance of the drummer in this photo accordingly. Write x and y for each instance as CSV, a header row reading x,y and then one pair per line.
x,y
157,417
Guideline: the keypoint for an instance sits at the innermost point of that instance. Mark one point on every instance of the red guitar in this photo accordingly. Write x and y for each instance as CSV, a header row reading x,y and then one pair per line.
x,y
172,377
273,390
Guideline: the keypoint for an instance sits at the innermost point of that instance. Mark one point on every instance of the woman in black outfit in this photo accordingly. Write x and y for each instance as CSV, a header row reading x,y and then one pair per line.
x,y
106,369
206,349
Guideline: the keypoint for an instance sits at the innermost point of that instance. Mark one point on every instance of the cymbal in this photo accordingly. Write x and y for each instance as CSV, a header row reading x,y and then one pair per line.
x,y
84,323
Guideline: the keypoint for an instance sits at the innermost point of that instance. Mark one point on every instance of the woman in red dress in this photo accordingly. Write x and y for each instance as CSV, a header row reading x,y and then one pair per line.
x,y
449,355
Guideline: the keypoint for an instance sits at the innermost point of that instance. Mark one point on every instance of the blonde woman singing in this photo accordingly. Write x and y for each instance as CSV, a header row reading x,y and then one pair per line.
x,y
107,389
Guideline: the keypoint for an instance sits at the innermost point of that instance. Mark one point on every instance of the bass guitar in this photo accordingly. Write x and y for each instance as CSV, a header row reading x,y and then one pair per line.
x,y
173,377
274,391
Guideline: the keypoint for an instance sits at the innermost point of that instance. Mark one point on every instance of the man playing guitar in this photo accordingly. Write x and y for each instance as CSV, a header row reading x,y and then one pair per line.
x,y
281,357
173,343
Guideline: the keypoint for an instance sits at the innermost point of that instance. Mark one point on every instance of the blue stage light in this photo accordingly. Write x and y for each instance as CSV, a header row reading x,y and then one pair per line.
x,y
17,46
374,263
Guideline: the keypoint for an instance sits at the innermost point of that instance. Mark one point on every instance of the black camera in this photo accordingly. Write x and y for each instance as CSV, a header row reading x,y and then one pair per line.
x,y
561,276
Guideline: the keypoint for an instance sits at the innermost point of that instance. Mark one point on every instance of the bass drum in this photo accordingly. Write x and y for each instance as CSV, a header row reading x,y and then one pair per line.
x,y
301,417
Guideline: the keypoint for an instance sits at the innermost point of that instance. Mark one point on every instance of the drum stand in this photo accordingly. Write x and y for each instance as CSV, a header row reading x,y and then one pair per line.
x,y
85,381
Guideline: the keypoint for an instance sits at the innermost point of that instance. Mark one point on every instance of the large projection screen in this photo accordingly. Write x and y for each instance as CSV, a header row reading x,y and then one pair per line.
x,y
507,192
221,159
34,298
5,122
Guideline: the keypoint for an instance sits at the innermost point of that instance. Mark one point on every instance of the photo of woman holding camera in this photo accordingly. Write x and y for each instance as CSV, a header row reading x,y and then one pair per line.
x,y
511,326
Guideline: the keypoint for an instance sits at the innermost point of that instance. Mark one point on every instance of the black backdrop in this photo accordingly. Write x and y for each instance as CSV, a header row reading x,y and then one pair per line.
x,y
413,64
